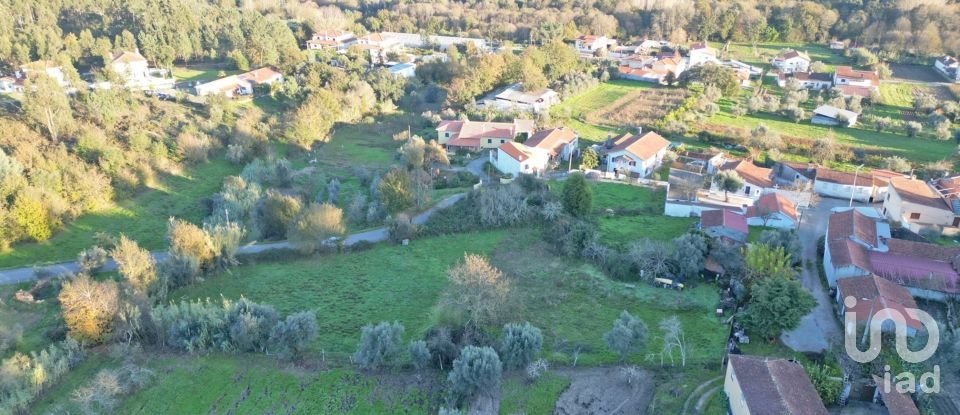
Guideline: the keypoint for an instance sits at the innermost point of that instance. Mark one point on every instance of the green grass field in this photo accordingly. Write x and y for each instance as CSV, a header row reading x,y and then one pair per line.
x,y
765,52
201,73
622,230
143,218
247,384
916,149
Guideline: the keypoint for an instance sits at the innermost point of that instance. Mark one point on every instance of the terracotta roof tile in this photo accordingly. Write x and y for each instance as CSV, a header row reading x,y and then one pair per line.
x,y
776,386
644,146
725,218
850,73
515,150
873,294
897,403
751,173
773,202
552,140
919,192
852,223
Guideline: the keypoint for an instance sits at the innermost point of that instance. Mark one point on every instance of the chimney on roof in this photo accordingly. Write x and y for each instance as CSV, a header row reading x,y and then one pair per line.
x,y
639,130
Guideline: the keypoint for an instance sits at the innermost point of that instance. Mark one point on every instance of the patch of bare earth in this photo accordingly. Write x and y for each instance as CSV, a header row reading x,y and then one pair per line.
x,y
641,107
605,391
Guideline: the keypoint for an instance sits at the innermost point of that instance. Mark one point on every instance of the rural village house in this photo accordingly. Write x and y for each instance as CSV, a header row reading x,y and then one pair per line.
x,y
791,61
514,98
240,85
336,40
949,67
476,135
756,179
807,80
561,144
774,210
514,158
48,68
866,187
876,295
919,205
590,44
635,155
726,225
856,83
795,175
858,244
761,386
133,68
700,53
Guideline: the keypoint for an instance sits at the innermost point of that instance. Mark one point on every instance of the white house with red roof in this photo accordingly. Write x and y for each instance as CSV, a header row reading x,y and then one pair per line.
x,y
756,179
515,159
864,186
336,40
560,143
136,73
918,205
477,135
853,82
773,210
949,67
591,43
790,61
635,155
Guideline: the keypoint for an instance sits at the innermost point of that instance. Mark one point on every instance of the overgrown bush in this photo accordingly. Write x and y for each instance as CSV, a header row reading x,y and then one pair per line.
x,y
89,307
92,259
290,337
399,228
420,355
24,377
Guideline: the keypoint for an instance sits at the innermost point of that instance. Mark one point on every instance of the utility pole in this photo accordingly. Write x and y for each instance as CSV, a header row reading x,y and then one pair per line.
x,y
854,187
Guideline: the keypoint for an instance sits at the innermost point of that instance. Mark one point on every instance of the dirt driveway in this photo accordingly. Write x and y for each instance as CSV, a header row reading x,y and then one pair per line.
x,y
605,391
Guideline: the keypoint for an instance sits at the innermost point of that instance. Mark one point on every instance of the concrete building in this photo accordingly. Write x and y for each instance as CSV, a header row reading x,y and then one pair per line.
x,y
828,115
790,61
515,159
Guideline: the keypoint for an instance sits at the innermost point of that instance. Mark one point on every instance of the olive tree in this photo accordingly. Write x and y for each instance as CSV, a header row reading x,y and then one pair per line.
x,y
477,370
380,345
628,335
521,344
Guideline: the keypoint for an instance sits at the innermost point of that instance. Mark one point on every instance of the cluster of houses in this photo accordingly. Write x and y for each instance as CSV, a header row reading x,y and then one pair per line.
x,y
661,62
519,148
379,45
131,68
792,64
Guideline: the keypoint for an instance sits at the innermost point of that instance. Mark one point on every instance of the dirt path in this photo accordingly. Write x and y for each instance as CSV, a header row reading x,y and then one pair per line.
x,y
704,399
697,391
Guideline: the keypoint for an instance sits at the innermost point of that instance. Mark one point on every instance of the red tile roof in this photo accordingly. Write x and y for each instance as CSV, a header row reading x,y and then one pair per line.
x,y
552,140
751,173
852,223
896,403
917,264
515,150
850,73
261,75
919,192
724,218
873,294
129,57
644,146
776,386
773,202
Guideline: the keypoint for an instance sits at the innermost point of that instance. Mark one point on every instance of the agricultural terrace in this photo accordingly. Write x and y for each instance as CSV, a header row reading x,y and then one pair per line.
x,y
765,52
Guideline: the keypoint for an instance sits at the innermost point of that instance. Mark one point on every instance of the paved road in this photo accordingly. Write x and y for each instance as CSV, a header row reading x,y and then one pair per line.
x,y
475,166
819,330
16,275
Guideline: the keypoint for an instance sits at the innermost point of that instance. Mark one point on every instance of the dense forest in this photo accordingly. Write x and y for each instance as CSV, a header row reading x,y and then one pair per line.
x,y
268,32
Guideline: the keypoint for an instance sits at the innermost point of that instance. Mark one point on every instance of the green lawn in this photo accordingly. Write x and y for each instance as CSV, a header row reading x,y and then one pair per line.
x,y
623,196
204,73
247,384
897,95
349,291
622,230
916,149
571,110
765,52
143,218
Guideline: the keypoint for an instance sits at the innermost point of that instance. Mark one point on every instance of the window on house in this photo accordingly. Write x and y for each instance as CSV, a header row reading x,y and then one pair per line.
x,y
746,190
489,141
503,141
914,215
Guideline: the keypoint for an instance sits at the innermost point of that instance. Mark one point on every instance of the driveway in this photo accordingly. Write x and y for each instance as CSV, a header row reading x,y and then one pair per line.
x,y
475,166
819,330
17,275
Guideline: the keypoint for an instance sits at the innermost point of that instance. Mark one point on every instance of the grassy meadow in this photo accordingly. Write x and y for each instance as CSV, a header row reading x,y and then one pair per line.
x,y
143,218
